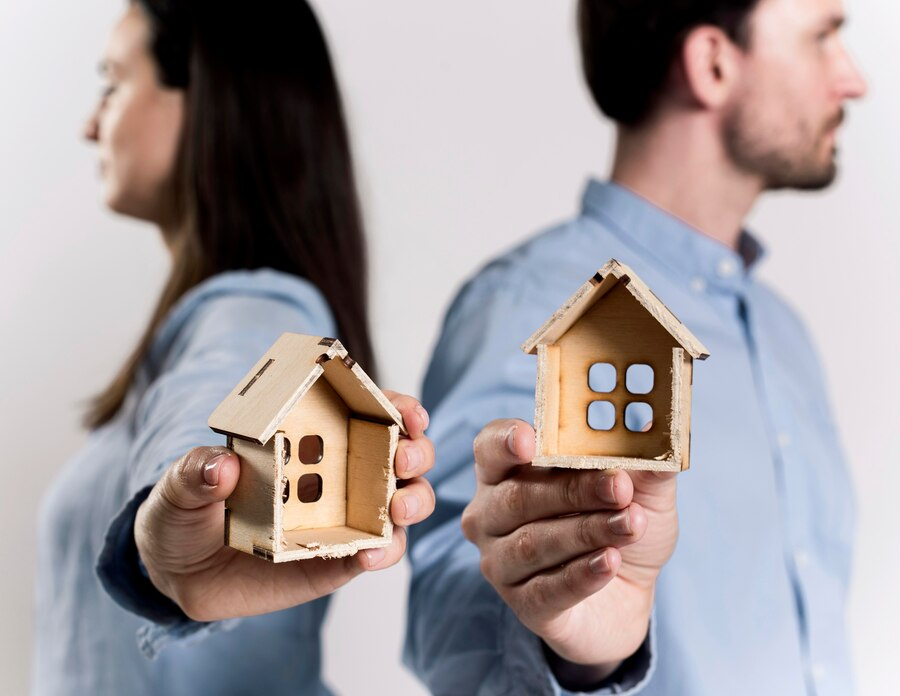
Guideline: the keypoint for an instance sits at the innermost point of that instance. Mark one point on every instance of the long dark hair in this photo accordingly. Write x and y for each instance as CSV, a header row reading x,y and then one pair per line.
x,y
264,174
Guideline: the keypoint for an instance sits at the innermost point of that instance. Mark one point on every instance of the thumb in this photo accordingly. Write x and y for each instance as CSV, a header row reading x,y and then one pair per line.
x,y
203,476
654,489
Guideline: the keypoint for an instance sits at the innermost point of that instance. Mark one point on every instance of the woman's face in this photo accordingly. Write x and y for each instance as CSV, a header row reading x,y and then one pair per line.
x,y
136,124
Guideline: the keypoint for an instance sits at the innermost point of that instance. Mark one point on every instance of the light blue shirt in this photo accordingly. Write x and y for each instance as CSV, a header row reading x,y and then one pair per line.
x,y
753,600
87,643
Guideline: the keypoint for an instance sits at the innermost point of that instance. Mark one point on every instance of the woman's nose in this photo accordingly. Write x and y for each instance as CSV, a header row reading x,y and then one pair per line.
x,y
91,130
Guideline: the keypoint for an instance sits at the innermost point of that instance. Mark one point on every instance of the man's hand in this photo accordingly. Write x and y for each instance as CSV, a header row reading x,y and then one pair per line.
x,y
180,527
574,553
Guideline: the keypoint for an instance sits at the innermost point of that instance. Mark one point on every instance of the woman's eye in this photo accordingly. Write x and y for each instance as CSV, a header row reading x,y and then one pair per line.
x,y
823,36
107,92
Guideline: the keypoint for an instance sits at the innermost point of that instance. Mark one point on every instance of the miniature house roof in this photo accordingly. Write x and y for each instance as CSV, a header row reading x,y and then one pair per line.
x,y
614,273
261,401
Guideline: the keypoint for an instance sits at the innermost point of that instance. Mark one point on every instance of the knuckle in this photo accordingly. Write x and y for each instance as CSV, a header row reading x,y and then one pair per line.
x,y
526,547
478,445
537,596
185,468
168,486
511,496
469,523
487,567
571,491
584,532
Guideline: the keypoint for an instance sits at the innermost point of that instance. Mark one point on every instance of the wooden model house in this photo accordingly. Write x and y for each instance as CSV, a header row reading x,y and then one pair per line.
x,y
316,439
611,360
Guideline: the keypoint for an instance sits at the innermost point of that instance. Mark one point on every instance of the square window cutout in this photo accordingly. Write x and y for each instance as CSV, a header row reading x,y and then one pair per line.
x,y
309,488
311,449
637,415
639,379
601,415
602,377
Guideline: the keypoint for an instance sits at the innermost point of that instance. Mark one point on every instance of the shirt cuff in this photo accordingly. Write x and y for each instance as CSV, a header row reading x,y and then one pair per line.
x,y
124,578
525,653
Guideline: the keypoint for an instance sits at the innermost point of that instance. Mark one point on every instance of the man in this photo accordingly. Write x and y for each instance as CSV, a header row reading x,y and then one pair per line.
x,y
568,584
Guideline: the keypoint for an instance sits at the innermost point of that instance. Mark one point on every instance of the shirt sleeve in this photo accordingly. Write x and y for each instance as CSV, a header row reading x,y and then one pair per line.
x,y
461,636
213,351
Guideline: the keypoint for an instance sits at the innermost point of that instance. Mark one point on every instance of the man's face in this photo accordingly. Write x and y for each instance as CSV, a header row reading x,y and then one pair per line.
x,y
796,76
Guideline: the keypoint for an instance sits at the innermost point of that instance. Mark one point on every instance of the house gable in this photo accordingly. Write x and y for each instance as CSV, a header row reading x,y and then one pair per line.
x,y
613,274
259,403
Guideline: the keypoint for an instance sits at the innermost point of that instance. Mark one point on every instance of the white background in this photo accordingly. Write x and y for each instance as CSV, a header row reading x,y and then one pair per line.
x,y
472,129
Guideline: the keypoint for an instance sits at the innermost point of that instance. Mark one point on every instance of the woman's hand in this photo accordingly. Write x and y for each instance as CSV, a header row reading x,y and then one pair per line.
x,y
180,527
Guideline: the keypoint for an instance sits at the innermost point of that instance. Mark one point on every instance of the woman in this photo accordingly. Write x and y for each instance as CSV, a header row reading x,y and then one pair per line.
x,y
224,128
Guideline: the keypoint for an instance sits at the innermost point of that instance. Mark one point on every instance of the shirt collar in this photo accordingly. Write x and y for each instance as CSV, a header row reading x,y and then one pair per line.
x,y
681,249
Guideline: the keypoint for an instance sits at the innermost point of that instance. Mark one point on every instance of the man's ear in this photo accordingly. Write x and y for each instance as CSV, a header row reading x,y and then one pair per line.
x,y
710,66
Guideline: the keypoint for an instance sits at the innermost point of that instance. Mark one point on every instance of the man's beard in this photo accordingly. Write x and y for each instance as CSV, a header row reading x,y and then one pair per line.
x,y
781,166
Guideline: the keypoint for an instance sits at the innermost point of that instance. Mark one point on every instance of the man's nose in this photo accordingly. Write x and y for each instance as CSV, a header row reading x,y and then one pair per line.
x,y
853,85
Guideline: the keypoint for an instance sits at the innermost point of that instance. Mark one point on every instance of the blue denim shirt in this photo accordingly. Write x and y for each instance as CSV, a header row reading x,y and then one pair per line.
x,y
753,600
87,634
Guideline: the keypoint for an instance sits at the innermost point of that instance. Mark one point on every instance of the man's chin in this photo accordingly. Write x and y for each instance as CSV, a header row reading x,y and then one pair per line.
x,y
812,179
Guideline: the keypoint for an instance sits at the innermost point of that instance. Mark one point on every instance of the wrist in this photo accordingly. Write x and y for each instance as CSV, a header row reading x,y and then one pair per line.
x,y
608,634
613,678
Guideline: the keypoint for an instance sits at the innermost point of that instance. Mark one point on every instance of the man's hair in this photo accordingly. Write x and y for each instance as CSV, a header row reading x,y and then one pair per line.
x,y
627,46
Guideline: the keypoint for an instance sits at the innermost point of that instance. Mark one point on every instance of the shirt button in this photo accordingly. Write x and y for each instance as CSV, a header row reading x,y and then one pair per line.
x,y
801,558
726,268
784,439
698,284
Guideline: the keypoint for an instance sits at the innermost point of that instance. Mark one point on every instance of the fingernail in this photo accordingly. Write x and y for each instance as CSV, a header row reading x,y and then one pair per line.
x,y
599,564
414,458
423,414
374,556
620,523
511,439
411,505
211,470
606,489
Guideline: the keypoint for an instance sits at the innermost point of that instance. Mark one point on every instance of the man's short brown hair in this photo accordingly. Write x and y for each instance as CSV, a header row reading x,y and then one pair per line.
x,y
627,46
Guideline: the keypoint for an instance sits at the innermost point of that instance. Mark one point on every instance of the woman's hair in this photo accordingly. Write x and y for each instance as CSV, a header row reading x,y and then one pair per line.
x,y
628,46
263,176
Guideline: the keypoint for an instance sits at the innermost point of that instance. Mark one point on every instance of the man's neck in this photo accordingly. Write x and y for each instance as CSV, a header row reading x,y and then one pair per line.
x,y
680,166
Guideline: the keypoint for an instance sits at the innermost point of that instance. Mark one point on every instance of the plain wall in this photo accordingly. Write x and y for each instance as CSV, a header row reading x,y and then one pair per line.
x,y
472,130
